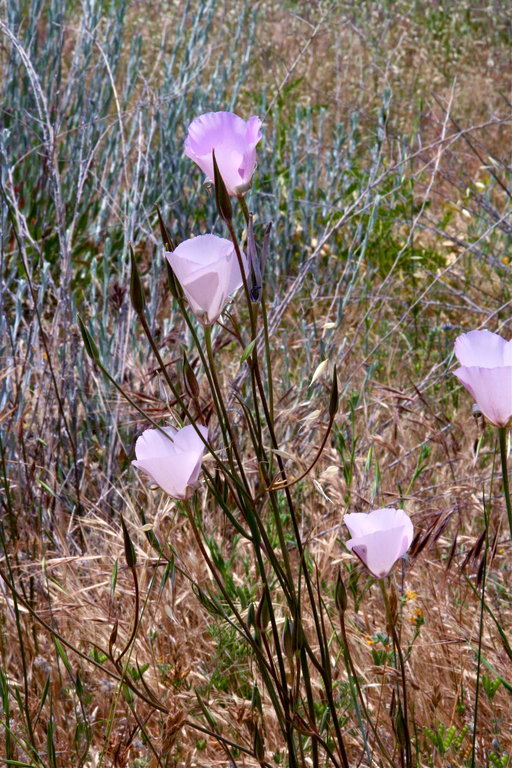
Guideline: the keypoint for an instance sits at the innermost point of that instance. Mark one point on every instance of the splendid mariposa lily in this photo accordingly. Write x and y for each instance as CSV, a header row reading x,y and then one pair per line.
x,y
207,269
174,464
379,538
234,141
486,371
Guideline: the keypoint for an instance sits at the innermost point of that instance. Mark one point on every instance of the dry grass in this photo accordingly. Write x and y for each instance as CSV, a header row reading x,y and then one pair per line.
x,y
69,567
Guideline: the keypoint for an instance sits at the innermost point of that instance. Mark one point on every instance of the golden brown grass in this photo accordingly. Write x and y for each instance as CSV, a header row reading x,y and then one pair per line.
x,y
66,564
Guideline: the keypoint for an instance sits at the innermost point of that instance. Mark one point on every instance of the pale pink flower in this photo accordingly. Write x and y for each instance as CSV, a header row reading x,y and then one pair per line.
x,y
486,372
208,271
379,538
173,465
234,141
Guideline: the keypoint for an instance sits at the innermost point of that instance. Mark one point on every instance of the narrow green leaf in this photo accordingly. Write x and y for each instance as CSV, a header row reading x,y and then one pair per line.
x,y
89,344
63,655
247,351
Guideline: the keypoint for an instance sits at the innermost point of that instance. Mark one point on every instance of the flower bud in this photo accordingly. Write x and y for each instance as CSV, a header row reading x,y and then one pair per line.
x,y
340,595
166,238
129,551
251,615
222,199
254,264
256,699
263,612
89,344
287,639
333,404
190,379
258,743
136,290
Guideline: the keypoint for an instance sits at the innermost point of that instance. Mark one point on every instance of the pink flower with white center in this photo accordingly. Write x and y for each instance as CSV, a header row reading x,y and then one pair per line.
x,y
207,269
173,465
234,141
486,372
379,538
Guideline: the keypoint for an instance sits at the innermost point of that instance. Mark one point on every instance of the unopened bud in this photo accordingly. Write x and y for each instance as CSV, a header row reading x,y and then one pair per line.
x,y
136,289
190,378
258,743
166,238
251,615
266,246
298,638
113,638
254,264
256,699
287,639
400,726
222,198
263,612
129,551
89,344
340,596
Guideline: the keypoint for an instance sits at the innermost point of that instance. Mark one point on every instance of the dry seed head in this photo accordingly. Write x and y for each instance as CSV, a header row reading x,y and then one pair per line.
x,y
172,727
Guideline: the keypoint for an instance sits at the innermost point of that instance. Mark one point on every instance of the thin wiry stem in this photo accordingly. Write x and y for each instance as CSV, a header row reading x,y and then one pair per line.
x,y
502,432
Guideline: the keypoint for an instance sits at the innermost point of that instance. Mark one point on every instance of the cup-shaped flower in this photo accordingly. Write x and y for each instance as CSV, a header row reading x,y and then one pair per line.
x,y
234,141
379,538
486,372
174,464
207,269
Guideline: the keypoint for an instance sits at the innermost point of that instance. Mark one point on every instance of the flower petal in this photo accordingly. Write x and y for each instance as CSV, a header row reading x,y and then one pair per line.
x,y
380,537
380,550
153,443
234,141
483,349
208,271
174,466
491,388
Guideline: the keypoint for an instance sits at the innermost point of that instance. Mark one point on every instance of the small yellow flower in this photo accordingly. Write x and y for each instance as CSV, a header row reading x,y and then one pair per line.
x,y
369,640
410,595
417,617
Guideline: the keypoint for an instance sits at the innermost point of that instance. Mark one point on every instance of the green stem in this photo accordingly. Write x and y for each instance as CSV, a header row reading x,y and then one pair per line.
x,y
223,416
351,668
243,206
480,635
502,432
398,649
179,398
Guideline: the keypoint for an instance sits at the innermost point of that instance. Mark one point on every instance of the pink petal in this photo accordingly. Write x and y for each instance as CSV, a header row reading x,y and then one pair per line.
x,y
189,440
483,349
234,142
380,550
360,524
202,251
153,443
205,296
208,271
173,475
491,388
174,466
